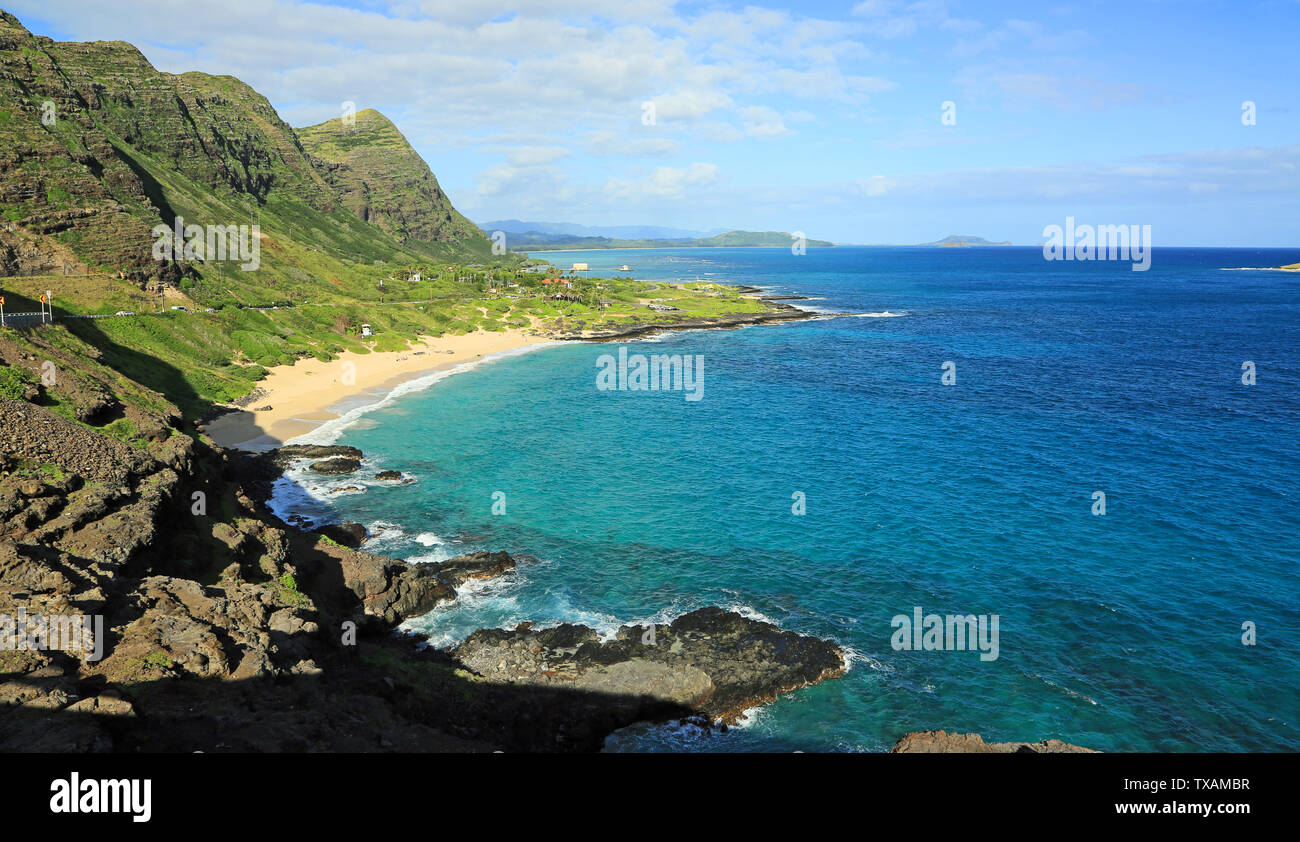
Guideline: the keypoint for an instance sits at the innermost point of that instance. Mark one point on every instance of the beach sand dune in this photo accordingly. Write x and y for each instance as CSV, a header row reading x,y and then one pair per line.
x,y
300,397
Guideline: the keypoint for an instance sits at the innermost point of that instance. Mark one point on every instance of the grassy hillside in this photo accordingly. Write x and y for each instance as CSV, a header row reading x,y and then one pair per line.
x,y
196,359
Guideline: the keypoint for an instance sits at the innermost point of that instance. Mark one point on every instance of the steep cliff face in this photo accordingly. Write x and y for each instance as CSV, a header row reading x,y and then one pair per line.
x,y
384,181
69,199
97,147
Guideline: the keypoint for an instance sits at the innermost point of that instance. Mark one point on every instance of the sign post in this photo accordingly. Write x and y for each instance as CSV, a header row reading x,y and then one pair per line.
x,y
2,311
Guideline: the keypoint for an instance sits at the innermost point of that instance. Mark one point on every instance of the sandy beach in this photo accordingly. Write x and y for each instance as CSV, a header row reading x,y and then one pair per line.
x,y
300,397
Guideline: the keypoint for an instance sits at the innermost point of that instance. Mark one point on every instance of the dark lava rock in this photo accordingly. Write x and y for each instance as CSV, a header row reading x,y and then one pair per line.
x,y
389,475
348,534
290,452
38,435
709,662
336,465
391,590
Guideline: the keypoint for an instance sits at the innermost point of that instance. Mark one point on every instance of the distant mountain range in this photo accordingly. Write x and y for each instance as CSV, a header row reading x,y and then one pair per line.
x,y
547,236
616,232
528,236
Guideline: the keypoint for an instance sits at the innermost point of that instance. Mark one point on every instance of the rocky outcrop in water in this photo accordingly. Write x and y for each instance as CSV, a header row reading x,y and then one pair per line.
x,y
286,454
942,742
392,590
337,465
710,661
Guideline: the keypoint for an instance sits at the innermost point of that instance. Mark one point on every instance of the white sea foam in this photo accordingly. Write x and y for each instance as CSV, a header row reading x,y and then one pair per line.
x,y
749,717
750,613
812,308
384,532
288,497
441,552
1065,690
853,656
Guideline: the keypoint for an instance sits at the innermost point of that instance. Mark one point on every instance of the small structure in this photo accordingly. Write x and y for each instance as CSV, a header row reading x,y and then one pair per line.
x,y
366,331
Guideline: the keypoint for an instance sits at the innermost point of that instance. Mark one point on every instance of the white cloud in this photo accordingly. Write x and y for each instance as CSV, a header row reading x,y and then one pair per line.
x,y
1148,179
689,104
527,155
664,182
891,19
632,142
762,121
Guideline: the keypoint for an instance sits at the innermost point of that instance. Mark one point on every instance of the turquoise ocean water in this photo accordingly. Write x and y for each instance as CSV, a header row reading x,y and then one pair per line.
x,y
1119,632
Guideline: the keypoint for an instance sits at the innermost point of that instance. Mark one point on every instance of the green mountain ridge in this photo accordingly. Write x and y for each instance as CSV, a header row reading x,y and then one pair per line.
x,y
97,147
384,181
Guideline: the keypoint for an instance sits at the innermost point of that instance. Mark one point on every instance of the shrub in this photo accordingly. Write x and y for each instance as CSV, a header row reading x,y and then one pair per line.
x,y
15,382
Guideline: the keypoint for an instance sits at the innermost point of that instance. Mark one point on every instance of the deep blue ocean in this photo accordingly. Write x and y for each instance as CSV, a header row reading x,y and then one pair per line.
x,y
1122,631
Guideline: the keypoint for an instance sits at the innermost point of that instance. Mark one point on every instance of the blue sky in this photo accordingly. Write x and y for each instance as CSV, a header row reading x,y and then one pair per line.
x,y
819,117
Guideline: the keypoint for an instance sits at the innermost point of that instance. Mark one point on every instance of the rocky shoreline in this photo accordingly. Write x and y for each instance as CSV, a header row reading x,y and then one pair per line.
x,y
225,628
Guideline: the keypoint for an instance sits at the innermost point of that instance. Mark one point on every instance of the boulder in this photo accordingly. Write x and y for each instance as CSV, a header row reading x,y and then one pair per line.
x,y
336,465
